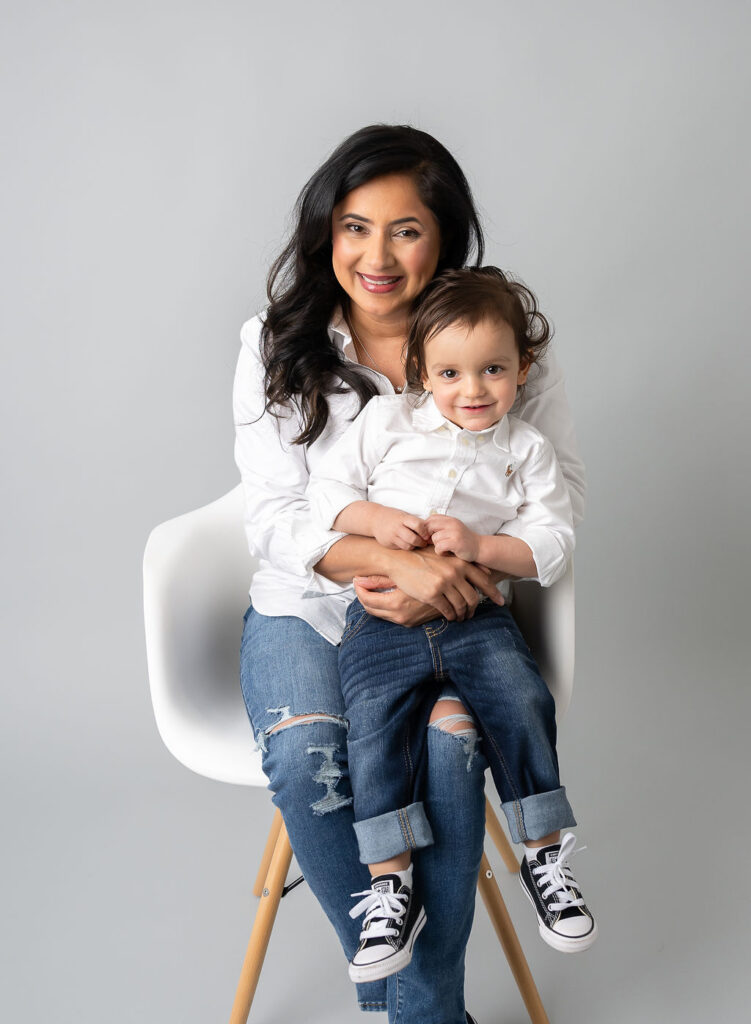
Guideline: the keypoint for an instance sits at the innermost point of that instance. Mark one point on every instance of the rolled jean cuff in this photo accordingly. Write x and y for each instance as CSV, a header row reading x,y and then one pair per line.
x,y
372,996
536,816
390,834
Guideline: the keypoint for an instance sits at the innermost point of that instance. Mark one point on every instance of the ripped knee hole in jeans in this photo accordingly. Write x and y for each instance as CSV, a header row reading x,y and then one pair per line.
x,y
327,772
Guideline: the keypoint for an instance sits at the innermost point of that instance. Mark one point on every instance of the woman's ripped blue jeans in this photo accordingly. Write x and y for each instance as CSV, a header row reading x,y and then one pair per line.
x,y
288,672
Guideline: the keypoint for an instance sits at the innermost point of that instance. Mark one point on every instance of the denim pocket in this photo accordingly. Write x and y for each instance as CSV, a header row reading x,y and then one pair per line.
x,y
355,622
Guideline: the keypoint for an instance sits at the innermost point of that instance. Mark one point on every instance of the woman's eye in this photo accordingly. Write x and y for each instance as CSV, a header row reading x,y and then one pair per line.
x,y
355,229
407,233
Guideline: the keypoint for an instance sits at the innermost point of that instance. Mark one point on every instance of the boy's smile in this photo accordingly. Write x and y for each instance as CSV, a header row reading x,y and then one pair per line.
x,y
474,372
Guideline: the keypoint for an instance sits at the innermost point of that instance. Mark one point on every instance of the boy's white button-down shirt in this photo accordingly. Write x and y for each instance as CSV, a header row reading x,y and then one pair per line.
x,y
402,452
275,472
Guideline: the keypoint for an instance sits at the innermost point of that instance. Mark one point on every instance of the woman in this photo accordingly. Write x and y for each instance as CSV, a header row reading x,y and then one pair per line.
x,y
387,211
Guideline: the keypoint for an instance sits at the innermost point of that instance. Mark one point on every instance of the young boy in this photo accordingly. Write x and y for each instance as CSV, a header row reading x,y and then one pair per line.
x,y
445,464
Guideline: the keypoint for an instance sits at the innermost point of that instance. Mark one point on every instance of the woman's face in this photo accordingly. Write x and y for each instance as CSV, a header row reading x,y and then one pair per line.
x,y
385,246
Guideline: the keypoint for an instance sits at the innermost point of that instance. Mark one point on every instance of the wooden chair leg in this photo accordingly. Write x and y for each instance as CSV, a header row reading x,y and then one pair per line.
x,y
276,824
264,922
504,929
496,833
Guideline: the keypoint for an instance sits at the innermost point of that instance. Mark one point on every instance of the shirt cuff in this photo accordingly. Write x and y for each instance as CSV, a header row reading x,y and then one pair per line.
x,y
311,542
549,557
328,498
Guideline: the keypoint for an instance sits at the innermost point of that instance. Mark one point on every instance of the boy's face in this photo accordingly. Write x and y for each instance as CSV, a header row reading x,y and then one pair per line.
x,y
474,372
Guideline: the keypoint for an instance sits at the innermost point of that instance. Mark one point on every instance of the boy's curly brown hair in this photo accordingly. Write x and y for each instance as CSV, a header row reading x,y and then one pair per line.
x,y
469,296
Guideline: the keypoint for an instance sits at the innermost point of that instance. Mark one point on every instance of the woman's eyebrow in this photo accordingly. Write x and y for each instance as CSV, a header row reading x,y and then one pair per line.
x,y
366,220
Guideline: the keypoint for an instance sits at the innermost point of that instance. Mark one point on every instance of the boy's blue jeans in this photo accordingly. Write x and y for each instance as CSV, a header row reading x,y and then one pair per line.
x,y
391,677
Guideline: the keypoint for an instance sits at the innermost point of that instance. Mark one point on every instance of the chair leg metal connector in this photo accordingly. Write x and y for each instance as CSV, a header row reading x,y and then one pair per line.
x,y
292,885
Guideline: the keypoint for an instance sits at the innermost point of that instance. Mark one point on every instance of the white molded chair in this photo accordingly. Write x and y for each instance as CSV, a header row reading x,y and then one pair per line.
x,y
197,571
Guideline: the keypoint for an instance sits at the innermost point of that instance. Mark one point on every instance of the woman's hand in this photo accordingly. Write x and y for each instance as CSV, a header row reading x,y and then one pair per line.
x,y
373,568
379,597
446,583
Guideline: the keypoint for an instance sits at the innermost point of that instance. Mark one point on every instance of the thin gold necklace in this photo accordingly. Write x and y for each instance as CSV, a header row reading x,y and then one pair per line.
x,y
376,367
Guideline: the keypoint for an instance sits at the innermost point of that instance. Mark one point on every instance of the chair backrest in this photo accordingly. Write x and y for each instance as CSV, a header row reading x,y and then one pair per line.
x,y
196,573
197,570
546,617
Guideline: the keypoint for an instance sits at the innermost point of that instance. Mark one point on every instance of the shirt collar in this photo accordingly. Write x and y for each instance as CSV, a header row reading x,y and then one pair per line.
x,y
341,335
427,417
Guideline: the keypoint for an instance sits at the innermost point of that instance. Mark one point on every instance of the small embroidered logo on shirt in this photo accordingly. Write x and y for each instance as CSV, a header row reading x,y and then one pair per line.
x,y
509,469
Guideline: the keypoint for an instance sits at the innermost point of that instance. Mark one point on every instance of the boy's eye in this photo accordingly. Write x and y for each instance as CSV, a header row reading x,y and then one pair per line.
x,y
494,369
448,374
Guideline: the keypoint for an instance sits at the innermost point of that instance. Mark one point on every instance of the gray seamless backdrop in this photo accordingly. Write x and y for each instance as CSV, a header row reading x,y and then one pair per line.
x,y
152,154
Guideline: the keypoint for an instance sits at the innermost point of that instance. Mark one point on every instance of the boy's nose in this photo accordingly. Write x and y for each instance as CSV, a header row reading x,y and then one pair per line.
x,y
473,387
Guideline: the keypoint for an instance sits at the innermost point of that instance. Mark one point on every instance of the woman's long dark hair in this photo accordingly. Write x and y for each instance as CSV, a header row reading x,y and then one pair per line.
x,y
302,363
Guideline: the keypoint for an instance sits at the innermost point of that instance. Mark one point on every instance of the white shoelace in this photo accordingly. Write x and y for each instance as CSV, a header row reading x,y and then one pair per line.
x,y
558,877
380,908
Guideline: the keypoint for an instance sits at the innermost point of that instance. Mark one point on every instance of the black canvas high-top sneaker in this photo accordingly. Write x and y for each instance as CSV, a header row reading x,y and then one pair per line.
x,y
393,920
563,918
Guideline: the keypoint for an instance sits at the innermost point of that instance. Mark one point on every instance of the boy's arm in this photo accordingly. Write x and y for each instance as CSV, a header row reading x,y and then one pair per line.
x,y
545,521
537,544
341,476
390,526
508,555
338,487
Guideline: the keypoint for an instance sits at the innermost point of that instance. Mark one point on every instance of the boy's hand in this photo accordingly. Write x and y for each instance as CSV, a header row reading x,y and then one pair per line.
x,y
396,529
449,535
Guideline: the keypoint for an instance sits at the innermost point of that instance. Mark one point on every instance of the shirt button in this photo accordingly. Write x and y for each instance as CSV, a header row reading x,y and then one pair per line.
x,y
432,512
465,442
452,474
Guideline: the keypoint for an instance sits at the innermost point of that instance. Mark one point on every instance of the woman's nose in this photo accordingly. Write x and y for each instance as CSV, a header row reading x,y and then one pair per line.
x,y
379,254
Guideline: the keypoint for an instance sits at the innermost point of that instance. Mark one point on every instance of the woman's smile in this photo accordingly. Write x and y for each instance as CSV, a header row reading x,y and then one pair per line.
x,y
377,284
